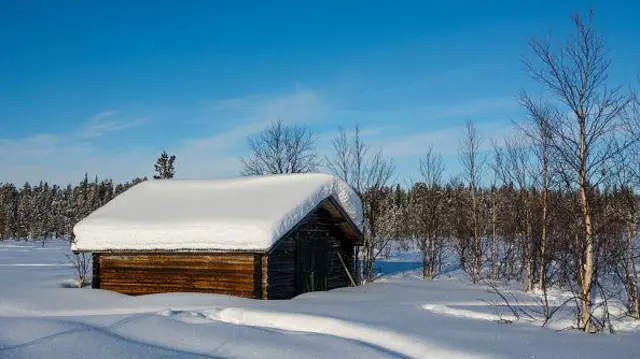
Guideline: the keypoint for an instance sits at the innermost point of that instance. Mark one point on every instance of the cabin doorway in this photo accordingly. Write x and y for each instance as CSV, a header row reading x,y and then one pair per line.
x,y
311,263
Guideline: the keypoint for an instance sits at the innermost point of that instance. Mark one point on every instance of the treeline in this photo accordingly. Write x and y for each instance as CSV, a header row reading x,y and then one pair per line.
x,y
47,211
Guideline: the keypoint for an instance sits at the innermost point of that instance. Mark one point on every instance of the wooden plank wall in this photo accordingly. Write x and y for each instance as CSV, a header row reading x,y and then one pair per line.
x,y
281,278
337,243
281,267
337,275
222,273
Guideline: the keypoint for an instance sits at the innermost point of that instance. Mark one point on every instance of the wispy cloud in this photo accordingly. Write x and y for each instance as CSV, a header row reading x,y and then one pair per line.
x,y
404,134
468,109
414,129
445,141
300,105
62,158
432,114
222,140
106,122
217,154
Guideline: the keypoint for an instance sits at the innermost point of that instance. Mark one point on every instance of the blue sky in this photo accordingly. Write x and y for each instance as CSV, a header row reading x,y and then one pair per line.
x,y
103,87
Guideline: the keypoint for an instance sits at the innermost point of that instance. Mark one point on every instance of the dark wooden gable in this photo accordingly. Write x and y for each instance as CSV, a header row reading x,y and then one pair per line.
x,y
331,214
315,255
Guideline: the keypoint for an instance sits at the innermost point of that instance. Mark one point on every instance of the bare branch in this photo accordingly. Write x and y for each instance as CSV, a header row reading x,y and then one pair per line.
x,y
281,149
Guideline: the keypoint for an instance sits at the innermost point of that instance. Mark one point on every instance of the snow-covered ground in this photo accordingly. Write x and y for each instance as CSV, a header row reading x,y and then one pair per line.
x,y
398,316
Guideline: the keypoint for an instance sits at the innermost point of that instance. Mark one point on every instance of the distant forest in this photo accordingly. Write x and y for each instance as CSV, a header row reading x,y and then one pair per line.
x,y
555,204
48,211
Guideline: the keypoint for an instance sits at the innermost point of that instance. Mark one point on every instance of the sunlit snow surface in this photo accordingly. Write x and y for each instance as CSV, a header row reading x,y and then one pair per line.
x,y
398,316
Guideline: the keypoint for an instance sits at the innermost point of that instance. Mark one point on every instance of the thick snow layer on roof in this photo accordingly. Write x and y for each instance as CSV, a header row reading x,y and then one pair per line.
x,y
248,213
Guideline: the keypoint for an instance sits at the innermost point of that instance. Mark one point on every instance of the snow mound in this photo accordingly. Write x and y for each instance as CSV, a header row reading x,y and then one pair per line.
x,y
249,213
391,318
468,314
396,343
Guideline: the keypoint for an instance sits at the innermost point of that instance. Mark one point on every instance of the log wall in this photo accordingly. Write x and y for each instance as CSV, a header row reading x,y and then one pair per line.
x,y
337,276
222,273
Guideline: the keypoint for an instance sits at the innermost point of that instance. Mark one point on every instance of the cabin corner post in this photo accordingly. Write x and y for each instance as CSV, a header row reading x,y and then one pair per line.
x,y
257,276
95,275
265,276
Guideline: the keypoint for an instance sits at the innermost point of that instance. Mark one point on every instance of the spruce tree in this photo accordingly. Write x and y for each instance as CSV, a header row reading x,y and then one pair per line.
x,y
70,216
12,211
4,215
25,212
164,166
40,210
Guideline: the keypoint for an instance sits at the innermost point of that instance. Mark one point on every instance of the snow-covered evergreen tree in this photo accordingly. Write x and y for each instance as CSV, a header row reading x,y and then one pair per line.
x,y
25,212
12,200
70,214
41,211
4,216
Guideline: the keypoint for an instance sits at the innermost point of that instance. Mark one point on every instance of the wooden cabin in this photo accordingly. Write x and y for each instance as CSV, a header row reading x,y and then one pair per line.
x,y
268,237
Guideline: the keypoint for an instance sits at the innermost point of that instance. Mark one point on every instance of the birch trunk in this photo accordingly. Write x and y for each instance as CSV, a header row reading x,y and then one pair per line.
x,y
632,275
587,268
543,235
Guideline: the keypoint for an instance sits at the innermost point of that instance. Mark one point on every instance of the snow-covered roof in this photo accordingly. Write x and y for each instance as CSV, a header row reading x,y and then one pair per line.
x,y
248,213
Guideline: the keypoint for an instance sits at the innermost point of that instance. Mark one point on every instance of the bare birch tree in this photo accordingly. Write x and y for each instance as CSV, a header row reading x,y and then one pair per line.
x,y
428,201
537,130
473,162
368,174
279,149
518,169
575,73
627,166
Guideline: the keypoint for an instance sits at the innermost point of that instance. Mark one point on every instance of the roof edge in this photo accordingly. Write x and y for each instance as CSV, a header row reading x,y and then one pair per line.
x,y
300,223
176,251
348,218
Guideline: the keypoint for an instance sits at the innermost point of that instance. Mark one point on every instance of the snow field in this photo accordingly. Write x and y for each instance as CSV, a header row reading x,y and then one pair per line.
x,y
395,317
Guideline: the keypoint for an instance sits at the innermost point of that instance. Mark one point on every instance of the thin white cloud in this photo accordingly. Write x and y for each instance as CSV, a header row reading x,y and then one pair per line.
x,y
298,106
215,151
36,151
64,158
221,140
444,141
440,126
432,113
469,109
106,122
217,155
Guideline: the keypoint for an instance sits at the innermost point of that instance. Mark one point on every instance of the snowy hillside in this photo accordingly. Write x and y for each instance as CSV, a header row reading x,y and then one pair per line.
x,y
403,317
